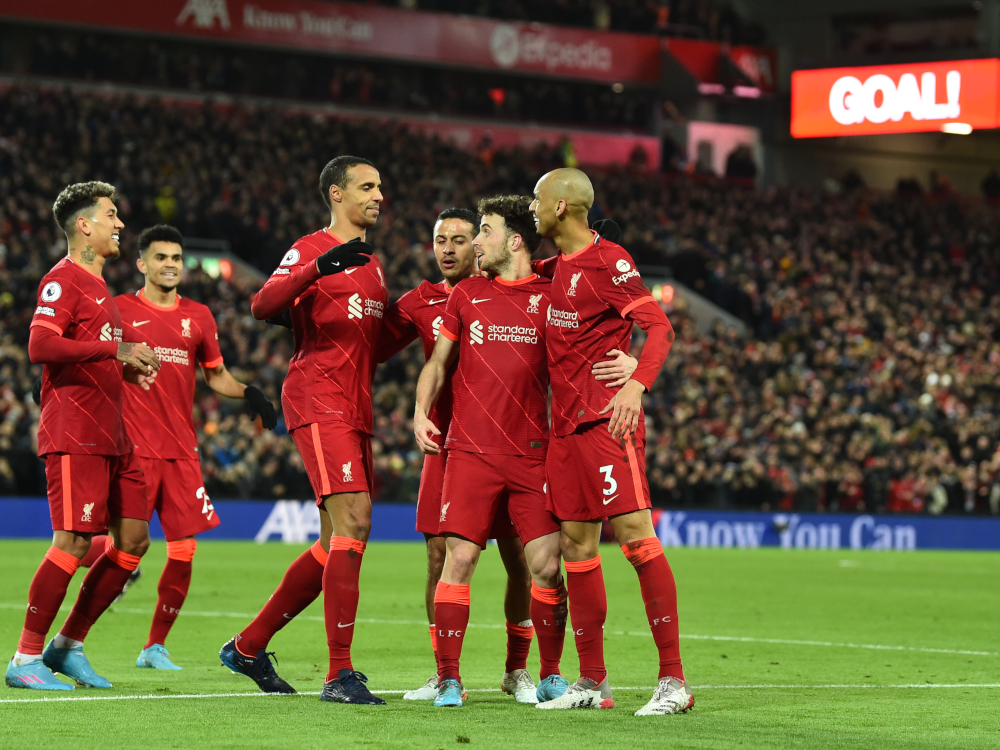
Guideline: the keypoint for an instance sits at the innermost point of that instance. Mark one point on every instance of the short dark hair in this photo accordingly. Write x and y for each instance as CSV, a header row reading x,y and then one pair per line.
x,y
515,213
77,198
335,173
159,233
464,214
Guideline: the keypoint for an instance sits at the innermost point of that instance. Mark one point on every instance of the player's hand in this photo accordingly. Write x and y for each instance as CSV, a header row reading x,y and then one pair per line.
x,y
139,356
423,428
283,319
617,370
340,258
258,404
608,230
135,376
36,392
625,408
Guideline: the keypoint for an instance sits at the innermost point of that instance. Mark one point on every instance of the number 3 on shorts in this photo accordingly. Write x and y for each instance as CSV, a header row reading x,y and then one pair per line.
x,y
207,508
610,481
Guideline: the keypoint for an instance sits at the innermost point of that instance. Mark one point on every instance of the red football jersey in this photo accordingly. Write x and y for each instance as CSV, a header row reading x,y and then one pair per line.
x,y
501,384
593,291
337,321
183,336
81,401
420,312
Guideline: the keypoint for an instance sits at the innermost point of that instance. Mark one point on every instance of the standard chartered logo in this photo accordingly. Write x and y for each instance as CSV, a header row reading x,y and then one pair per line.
x,y
358,308
476,332
354,309
563,318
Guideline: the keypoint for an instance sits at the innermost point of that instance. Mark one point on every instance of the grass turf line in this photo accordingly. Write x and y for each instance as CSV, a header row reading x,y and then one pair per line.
x,y
925,600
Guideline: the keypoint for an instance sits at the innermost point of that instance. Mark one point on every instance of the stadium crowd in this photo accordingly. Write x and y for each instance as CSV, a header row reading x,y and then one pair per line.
x,y
206,67
702,19
867,380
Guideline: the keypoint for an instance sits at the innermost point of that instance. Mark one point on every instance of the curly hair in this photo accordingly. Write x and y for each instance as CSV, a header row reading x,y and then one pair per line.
x,y
517,218
77,198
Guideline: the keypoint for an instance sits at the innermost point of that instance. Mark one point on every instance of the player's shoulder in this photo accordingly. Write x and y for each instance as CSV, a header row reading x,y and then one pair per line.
x,y
610,253
472,285
126,300
191,307
308,246
62,280
62,270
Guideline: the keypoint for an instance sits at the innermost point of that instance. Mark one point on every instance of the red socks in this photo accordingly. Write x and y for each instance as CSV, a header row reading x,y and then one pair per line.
x,y
97,546
303,582
340,600
588,608
46,594
548,613
434,645
102,585
172,589
659,592
518,644
451,618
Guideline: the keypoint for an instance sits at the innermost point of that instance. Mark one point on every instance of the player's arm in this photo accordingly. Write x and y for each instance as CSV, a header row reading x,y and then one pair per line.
x,y
546,267
221,381
48,347
429,387
282,289
626,406
398,332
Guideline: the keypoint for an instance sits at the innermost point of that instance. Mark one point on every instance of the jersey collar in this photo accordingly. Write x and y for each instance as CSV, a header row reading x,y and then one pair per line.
x,y
166,308
518,282
594,242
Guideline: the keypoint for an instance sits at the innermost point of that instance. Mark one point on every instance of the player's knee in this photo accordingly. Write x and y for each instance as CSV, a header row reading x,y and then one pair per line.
x,y
435,557
135,546
546,573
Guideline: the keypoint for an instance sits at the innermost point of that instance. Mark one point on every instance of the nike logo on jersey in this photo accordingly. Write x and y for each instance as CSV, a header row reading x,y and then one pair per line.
x,y
437,301
477,301
101,300
347,625
349,271
137,323
610,499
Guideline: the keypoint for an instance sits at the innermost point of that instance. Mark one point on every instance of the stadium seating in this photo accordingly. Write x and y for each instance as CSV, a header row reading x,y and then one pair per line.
x,y
868,381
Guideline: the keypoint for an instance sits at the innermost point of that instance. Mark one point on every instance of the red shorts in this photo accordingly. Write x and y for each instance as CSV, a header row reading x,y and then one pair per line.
x,y
85,492
337,457
592,476
176,492
476,487
429,501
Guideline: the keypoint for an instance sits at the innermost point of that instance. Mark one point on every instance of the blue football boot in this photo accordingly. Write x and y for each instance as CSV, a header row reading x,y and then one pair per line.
x,y
155,657
34,676
551,687
74,664
450,693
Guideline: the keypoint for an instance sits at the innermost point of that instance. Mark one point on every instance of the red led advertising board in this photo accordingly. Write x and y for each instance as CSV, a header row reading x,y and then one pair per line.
x,y
894,98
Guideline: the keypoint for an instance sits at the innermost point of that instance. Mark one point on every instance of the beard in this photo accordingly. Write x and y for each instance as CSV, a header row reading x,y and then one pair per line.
x,y
497,264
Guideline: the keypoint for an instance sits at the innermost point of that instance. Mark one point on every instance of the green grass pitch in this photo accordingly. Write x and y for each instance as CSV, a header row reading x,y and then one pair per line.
x,y
785,650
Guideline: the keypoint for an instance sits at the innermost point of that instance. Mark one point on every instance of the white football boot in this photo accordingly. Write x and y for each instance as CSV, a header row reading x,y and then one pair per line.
x,y
428,692
672,696
584,693
518,683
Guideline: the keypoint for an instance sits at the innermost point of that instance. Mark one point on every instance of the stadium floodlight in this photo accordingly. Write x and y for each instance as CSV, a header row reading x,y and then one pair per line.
x,y
956,128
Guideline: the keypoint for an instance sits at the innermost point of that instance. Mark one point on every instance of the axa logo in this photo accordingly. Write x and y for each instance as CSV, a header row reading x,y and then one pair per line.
x,y
852,102
436,326
88,509
476,332
346,468
573,281
205,13
533,302
354,309
186,327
